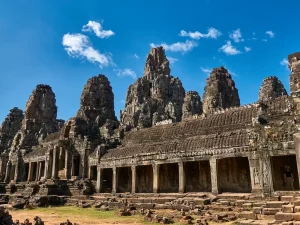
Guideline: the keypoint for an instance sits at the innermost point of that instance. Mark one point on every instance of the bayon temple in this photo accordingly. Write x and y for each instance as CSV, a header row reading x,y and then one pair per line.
x,y
168,140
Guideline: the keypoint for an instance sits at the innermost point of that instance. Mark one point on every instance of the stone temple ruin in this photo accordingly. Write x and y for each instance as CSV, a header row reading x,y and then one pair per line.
x,y
167,139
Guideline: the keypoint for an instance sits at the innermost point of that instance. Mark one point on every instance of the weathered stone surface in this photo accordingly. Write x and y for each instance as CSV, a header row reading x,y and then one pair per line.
x,y
220,91
10,127
40,118
294,65
192,106
155,97
271,88
97,101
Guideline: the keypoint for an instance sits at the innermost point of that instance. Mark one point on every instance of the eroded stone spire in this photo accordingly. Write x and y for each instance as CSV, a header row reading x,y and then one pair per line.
x,y
271,88
155,97
40,117
192,105
156,64
220,91
97,101
294,65
10,126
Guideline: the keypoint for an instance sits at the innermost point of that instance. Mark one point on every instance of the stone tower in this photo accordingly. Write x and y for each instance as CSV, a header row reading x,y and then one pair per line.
x,y
40,118
155,97
271,88
10,126
220,91
192,105
97,101
294,65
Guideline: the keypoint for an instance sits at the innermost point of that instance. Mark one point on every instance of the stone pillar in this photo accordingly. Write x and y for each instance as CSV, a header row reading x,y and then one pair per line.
x,y
16,179
67,164
7,173
72,166
29,172
155,177
54,168
115,182
38,166
255,174
133,179
46,168
181,177
214,175
99,179
266,172
297,150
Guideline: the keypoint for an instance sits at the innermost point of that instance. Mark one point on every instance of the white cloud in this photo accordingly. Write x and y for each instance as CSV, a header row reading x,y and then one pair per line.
x,y
285,63
229,49
206,70
236,36
178,46
136,56
125,72
211,33
247,49
79,46
172,60
270,33
97,29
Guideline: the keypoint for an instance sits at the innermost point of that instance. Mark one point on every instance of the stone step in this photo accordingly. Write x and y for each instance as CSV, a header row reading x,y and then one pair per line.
x,y
248,215
287,198
275,204
285,217
270,211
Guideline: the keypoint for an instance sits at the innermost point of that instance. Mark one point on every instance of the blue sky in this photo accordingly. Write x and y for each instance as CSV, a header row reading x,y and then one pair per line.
x,y
64,43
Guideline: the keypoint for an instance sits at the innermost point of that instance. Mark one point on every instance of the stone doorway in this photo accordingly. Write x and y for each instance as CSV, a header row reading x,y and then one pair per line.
x,y
12,172
124,179
76,165
168,178
234,175
33,171
197,176
93,172
144,179
42,170
26,171
107,177
277,164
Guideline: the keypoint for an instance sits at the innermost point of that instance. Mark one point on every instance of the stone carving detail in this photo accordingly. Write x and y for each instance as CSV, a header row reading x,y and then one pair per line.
x,y
9,128
220,91
155,97
192,106
271,88
40,117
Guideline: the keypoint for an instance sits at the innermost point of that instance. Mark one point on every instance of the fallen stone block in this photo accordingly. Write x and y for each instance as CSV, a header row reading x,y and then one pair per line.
x,y
245,222
297,209
297,216
257,210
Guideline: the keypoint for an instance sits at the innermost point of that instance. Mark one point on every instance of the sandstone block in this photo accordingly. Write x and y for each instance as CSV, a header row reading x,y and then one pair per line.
x,y
288,208
284,216
248,215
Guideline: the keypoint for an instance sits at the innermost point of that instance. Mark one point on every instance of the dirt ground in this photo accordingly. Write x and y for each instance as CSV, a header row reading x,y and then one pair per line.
x,y
89,216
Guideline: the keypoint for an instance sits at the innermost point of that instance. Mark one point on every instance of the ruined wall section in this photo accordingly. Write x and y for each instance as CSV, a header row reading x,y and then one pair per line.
x,y
220,91
155,97
294,65
10,126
